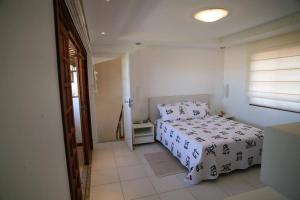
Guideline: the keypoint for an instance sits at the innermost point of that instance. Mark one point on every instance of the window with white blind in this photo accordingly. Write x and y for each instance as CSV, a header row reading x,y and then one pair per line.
x,y
274,78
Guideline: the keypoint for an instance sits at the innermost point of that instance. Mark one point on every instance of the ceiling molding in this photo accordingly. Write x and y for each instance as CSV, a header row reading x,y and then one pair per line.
x,y
77,14
171,23
98,60
276,27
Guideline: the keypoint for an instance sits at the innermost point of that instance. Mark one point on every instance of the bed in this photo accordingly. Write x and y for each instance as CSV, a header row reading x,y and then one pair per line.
x,y
207,146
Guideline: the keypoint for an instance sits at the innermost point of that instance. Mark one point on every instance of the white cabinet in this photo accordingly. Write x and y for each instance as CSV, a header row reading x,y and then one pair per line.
x,y
143,133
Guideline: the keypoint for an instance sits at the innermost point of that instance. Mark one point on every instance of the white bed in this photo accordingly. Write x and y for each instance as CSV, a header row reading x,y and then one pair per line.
x,y
210,146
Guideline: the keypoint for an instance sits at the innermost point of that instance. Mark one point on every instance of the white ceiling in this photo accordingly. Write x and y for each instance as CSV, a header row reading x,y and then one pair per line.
x,y
170,22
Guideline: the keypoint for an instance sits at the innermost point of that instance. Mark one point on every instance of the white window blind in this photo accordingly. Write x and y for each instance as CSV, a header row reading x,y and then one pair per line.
x,y
274,78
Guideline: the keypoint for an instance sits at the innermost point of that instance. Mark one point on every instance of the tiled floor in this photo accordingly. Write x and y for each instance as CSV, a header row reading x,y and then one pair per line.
x,y
119,174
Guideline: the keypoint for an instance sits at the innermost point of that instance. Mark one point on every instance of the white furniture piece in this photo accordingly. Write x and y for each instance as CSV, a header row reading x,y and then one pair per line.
x,y
143,133
280,165
281,159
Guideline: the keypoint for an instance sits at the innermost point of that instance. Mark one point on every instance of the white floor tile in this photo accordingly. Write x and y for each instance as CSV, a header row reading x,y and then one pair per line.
x,y
207,191
113,162
128,160
181,178
166,183
102,154
121,148
152,197
132,172
118,144
149,170
121,153
233,184
107,163
252,177
182,194
107,192
141,157
148,148
137,188
104,145
104,176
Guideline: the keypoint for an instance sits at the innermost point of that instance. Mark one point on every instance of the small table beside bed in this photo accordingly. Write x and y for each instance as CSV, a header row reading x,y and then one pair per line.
x,y
207,145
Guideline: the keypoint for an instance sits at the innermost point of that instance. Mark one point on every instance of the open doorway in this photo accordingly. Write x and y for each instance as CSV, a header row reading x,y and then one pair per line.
x,y
109,109
113,100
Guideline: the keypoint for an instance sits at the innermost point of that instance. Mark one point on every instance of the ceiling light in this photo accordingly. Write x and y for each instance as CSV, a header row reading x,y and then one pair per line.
x,y
103,33
211,15
107,0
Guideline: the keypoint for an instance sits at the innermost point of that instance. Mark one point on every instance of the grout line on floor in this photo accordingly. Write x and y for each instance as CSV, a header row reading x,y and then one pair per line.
x,y
119,177
139,155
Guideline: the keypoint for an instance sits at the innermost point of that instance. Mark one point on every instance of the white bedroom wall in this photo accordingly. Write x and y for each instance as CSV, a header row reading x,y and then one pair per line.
x,y
33,163
236,75
162,71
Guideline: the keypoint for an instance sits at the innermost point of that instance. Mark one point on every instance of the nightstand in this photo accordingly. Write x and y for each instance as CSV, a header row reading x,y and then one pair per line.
x,y
143,133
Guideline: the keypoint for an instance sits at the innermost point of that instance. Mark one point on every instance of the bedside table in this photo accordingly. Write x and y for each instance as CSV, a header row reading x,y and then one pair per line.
x,y
143,133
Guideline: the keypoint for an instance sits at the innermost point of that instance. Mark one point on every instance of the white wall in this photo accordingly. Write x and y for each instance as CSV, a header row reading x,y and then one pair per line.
x,y
33,163
236,75
174,71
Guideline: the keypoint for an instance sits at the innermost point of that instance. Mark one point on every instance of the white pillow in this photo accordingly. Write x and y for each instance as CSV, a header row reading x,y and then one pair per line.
x,y
172,111
196,109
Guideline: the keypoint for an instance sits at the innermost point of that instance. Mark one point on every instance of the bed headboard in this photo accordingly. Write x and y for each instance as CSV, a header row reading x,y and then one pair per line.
x,y
153,101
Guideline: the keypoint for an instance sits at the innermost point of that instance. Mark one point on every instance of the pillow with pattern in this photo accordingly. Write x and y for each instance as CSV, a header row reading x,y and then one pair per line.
x,y
196,109
172,111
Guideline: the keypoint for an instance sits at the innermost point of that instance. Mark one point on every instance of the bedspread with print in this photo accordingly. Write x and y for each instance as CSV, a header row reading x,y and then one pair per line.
x,y
211,146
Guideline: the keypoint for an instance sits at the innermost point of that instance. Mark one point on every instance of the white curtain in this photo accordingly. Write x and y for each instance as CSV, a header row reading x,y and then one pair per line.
x,y
274,78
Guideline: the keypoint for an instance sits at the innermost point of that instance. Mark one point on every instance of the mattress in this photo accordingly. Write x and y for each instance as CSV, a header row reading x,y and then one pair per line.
x,y
211,146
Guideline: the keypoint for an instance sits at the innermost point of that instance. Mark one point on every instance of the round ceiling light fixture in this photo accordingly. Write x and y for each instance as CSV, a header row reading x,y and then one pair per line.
x,y
103,33
211,15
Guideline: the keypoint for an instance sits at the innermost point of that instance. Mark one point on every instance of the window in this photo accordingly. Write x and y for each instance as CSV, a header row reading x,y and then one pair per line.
x,y
74,80
274,78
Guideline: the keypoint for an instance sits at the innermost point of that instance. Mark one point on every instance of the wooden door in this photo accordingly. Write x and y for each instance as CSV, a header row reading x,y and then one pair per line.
x,y
84,107
65,33
67,113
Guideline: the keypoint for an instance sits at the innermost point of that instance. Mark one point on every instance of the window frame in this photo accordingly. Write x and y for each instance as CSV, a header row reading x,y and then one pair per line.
x,y
250,53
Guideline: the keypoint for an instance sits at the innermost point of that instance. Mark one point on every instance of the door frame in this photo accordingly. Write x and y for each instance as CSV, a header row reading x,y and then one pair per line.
x,y
63,19
84,102
127,101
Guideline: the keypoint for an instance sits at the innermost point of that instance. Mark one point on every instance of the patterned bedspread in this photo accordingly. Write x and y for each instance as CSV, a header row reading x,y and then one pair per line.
x,y
211,146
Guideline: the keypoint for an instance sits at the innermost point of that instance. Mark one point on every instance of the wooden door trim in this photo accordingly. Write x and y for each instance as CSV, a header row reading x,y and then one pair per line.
x,y
63,21
82,55
84,97
87,91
